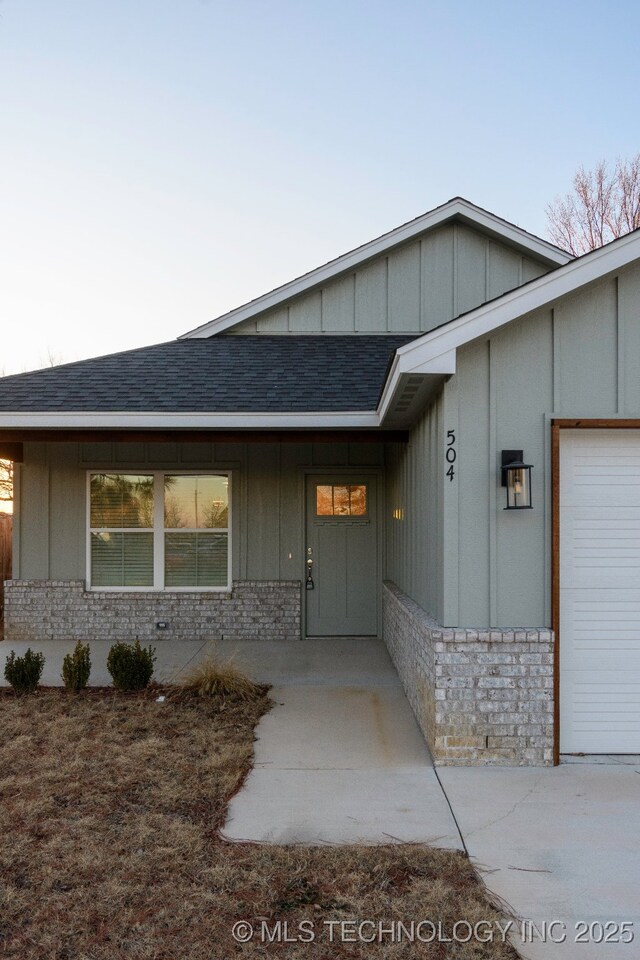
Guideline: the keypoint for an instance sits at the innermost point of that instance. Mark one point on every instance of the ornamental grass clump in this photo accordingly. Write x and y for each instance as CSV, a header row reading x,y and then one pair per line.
x,y
130,665
220,678
23,673
76,667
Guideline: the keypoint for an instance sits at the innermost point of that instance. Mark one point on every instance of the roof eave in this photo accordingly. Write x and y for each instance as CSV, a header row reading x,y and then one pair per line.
x,y
128,420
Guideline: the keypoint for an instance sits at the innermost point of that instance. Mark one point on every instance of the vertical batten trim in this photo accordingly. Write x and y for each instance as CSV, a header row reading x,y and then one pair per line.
x,y
244,524
47,525
555,583
487,268
386,290
279,499
547,485
451,508
454,272
557,399
16,572
621,338
354,280
493,505
420,272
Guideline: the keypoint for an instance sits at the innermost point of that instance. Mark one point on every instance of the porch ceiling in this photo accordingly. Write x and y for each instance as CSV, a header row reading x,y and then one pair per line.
x,y
12,441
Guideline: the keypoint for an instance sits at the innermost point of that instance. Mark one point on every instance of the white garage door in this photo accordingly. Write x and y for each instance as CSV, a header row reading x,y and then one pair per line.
x,y
600,591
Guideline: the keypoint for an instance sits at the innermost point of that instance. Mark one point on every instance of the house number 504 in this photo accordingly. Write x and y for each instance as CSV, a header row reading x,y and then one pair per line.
x,y
451,454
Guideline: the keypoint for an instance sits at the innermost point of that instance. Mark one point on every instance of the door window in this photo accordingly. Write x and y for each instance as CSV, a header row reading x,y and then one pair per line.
x,y
341,500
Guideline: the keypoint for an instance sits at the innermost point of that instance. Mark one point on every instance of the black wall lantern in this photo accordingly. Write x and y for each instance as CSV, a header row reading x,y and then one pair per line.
x,y
516,477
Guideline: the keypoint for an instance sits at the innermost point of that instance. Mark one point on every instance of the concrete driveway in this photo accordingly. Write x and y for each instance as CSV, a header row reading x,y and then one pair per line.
x,y
560,844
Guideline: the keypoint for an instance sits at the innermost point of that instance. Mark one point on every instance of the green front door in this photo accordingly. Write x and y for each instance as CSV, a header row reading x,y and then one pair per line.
x,y
341,554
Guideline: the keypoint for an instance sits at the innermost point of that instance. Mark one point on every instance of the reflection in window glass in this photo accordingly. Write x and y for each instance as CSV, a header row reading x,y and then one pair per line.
x,y
195,503
121,500
196,559
341,500
135,519
358,500
324,501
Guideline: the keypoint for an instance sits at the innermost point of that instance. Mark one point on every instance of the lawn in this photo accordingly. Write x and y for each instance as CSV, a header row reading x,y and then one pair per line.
x,y
110,813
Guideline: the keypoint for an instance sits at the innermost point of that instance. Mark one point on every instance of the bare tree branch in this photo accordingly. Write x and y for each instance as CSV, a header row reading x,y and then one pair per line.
x,y
6,481
603,205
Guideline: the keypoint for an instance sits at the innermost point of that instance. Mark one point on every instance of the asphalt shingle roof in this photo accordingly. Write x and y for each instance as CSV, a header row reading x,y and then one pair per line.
x,y
243,374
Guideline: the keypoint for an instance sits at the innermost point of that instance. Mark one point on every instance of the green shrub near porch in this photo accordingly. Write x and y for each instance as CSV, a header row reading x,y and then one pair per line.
x,y
130,665
23,673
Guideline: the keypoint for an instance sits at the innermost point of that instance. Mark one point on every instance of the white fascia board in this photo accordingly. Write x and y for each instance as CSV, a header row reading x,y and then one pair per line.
x,y
443,365
458,207
187,421
439,344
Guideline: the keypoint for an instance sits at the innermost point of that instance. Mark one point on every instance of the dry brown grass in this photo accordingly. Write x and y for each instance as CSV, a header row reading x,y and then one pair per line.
x,y
110,806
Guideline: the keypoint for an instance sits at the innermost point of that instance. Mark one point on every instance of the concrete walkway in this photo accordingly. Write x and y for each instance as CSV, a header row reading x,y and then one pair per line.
x,y
560,844
340,757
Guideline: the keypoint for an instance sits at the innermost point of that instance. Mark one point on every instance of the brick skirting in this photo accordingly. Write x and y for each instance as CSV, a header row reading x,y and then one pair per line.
x,y
479,696
37,610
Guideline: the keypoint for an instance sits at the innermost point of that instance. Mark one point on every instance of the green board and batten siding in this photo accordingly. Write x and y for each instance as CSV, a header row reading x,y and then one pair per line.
x,y
267,498
578,358
411,289
414,521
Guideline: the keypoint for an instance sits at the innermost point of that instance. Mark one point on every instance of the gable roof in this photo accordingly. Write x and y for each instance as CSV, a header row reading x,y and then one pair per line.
x,y
297,381
455,210
221,375
434,353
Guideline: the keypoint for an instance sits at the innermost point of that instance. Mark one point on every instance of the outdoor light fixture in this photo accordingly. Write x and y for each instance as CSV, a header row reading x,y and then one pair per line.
x,y
516,477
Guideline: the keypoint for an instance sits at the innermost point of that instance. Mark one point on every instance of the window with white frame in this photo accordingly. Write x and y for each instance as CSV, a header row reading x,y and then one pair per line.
x,y
158,531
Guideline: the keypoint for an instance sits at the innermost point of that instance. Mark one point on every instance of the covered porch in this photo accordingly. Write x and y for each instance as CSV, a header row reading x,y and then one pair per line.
x,y
303,535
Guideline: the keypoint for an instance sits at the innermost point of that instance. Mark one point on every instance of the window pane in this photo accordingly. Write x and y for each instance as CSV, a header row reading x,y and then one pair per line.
x,y
121,500
324,501
122,559
196,502
358,500
341,500
196,559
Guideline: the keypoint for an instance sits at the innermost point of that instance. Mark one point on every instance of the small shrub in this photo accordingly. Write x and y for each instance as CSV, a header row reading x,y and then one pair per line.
x,y
213,677
23,673
130,665
76,667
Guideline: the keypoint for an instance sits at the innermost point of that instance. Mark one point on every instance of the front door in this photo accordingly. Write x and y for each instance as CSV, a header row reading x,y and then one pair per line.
x,y
341,555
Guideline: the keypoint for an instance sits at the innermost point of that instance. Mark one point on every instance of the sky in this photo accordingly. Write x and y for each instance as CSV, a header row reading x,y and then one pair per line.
x,y
163,161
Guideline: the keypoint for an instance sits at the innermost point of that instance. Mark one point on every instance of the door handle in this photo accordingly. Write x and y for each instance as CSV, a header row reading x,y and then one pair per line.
x,y
309,584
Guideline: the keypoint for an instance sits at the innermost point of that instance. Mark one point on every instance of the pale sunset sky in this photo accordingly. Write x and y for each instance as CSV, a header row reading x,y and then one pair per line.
x,y
163,161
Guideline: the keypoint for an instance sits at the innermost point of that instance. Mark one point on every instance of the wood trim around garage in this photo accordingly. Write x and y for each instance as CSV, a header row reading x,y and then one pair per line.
x,y
558,424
